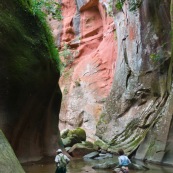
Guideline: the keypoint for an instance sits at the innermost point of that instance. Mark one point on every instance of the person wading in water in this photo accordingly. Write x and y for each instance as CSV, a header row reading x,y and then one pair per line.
x,y
124,161
61,161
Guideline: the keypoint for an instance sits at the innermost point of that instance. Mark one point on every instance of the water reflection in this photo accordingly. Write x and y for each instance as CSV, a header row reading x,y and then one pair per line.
x,y
81,166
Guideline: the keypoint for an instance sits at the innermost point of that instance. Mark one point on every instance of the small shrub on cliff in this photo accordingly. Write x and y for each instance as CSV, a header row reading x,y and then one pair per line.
x,y
68,55
119,4
48,7
154,57
65,92
133,4
77,83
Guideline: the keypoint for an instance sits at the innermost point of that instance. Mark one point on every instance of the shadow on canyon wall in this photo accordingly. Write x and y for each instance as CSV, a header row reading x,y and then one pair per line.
x,y
30,97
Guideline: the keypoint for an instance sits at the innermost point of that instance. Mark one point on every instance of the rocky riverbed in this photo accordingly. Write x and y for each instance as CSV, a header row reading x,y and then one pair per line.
x,y
84,166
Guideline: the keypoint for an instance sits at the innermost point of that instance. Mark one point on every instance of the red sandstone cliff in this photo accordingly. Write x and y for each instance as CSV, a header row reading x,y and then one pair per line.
x,y
88,34
137,114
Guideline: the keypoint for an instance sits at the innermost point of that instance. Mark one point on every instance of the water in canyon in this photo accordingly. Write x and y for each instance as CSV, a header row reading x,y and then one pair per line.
x,y
85,166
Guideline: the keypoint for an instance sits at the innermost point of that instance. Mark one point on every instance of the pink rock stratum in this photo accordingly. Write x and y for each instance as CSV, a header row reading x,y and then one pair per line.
x,y
90,35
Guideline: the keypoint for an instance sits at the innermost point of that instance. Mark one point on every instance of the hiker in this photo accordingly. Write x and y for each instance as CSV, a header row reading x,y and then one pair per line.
x,y
124,161
61,161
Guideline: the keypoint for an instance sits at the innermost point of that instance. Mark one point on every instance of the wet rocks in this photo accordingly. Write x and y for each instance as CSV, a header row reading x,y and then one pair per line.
x,y
71,137
80,150
91,155
104,156
104,166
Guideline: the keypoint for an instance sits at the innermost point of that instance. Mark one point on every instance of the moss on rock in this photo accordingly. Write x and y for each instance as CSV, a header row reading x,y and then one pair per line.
x,y
72,137
78,132
29,65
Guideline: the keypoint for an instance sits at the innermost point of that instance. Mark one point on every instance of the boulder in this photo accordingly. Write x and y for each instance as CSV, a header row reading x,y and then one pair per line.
x,y
67,148
104,166
91,155
8,160
102,145
71,137
79,132
69,141
80,150
104,156
64,133
135,166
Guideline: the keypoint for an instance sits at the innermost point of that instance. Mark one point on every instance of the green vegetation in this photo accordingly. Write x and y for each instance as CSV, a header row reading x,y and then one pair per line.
x,y
71,137
101,144
68,55
78,132
155,57
37,10
29,73
48,7
65,92
133,4
119,4
36,26
77,82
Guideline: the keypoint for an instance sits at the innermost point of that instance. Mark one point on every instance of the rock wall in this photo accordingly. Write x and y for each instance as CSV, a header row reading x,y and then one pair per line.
x,y
138,112
89,36
29,94
8,160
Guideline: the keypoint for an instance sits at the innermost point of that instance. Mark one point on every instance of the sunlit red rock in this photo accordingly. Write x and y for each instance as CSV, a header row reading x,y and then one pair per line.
x,y
90,35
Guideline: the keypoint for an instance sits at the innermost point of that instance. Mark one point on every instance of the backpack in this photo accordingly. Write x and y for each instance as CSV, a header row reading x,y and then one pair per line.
x,y
62,161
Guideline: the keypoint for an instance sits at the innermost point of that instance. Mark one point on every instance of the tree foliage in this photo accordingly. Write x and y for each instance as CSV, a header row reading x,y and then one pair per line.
x,y
48,7
133,4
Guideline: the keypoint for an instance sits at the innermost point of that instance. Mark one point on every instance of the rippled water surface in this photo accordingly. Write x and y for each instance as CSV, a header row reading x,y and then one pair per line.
x,y
81,166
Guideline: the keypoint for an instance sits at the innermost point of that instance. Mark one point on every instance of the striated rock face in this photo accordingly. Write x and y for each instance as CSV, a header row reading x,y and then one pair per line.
x,y
138,111
89,33
29,95
8,160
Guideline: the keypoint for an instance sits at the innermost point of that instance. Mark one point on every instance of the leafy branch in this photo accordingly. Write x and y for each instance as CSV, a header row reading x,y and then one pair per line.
x,y
48,7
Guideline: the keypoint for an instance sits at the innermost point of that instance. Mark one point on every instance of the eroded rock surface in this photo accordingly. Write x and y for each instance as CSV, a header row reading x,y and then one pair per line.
x,y
138,110
8,160
90,34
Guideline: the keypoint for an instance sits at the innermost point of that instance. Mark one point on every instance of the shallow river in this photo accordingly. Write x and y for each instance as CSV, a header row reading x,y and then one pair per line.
x,y
81,166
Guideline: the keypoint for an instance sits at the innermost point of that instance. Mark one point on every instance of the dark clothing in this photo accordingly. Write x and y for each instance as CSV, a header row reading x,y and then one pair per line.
x,y
60,170
124,170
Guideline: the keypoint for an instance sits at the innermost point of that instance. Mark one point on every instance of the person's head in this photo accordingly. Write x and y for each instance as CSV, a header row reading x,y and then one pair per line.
x,y
121,152
59,151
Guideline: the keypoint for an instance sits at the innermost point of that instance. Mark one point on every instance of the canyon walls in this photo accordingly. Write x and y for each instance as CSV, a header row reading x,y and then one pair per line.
x,y
117,78
138,111
29,95
86,38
